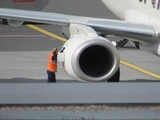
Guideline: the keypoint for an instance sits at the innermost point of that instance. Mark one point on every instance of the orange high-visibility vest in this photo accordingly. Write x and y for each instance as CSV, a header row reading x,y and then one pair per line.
x,y
52,64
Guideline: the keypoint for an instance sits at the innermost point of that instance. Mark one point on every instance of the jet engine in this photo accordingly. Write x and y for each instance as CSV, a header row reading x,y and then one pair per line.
x,y
89,59
15,23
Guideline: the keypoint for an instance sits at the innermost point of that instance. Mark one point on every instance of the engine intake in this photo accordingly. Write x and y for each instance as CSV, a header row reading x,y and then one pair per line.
x,y
95,61
90,60
89,57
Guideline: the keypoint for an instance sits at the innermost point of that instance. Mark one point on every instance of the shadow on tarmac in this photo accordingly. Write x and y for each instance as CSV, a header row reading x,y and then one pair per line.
x,y
27,80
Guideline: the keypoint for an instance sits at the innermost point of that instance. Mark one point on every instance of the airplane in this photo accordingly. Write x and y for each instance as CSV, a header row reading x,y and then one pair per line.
x,y
36,5
89,56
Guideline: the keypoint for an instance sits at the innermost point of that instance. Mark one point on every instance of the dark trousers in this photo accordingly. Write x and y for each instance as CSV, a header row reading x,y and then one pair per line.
x,y
51,77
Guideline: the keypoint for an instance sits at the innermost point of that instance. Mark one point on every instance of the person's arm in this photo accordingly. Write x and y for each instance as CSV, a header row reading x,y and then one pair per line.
x,y
54,57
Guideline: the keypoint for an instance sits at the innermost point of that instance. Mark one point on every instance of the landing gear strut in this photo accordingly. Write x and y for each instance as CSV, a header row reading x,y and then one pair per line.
x,y
116,77
118,44
121,43
4,21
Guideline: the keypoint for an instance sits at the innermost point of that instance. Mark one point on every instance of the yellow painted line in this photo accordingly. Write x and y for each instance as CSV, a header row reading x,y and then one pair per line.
x,y
46,32
140,69
122,61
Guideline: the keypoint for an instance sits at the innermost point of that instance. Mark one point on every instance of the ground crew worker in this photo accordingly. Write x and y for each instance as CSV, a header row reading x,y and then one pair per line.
x,y
52,65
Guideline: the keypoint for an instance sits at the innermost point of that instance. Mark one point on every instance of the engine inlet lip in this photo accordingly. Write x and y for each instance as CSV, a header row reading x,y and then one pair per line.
x,y
76,56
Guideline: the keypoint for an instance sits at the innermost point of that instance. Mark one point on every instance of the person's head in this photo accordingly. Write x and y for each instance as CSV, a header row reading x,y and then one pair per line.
x,y
55,50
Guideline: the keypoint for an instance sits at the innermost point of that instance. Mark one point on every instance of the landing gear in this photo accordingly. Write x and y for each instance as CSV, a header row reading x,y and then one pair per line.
x,y
121,43
4,21
116,77
118,44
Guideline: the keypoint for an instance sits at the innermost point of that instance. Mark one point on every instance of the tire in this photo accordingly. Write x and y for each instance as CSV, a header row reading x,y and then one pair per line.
x,y
116,77
4,21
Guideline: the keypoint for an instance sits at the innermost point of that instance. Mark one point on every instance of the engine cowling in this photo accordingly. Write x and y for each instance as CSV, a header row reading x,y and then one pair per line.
x,y
15,23
90,59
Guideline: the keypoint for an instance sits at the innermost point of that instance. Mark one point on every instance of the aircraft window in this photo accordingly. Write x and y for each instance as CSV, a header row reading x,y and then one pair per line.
x,y
142,1
145,1
158,5
153,3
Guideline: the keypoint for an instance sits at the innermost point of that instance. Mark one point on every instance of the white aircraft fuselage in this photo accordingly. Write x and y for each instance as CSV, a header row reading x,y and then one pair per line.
x,y
136,11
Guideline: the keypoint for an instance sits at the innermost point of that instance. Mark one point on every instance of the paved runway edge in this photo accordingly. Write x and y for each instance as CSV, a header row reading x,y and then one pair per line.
x,y
80,115
79,93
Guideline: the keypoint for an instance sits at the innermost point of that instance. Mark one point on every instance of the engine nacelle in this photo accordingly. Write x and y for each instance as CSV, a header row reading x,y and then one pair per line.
x,y
90,59
15,23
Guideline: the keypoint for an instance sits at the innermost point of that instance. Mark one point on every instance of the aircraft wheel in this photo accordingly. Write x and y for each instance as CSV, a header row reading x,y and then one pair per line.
x,y
116,77
4,21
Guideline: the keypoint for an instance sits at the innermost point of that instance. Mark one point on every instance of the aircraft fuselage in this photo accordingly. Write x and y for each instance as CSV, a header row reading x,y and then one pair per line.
x,y
147,7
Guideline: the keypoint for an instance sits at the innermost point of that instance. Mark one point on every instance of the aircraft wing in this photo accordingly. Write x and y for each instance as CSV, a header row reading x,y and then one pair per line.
x,y
115,27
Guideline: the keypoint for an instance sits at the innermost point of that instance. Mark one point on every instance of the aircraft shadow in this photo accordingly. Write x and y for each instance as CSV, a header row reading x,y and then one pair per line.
x,y
28,80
